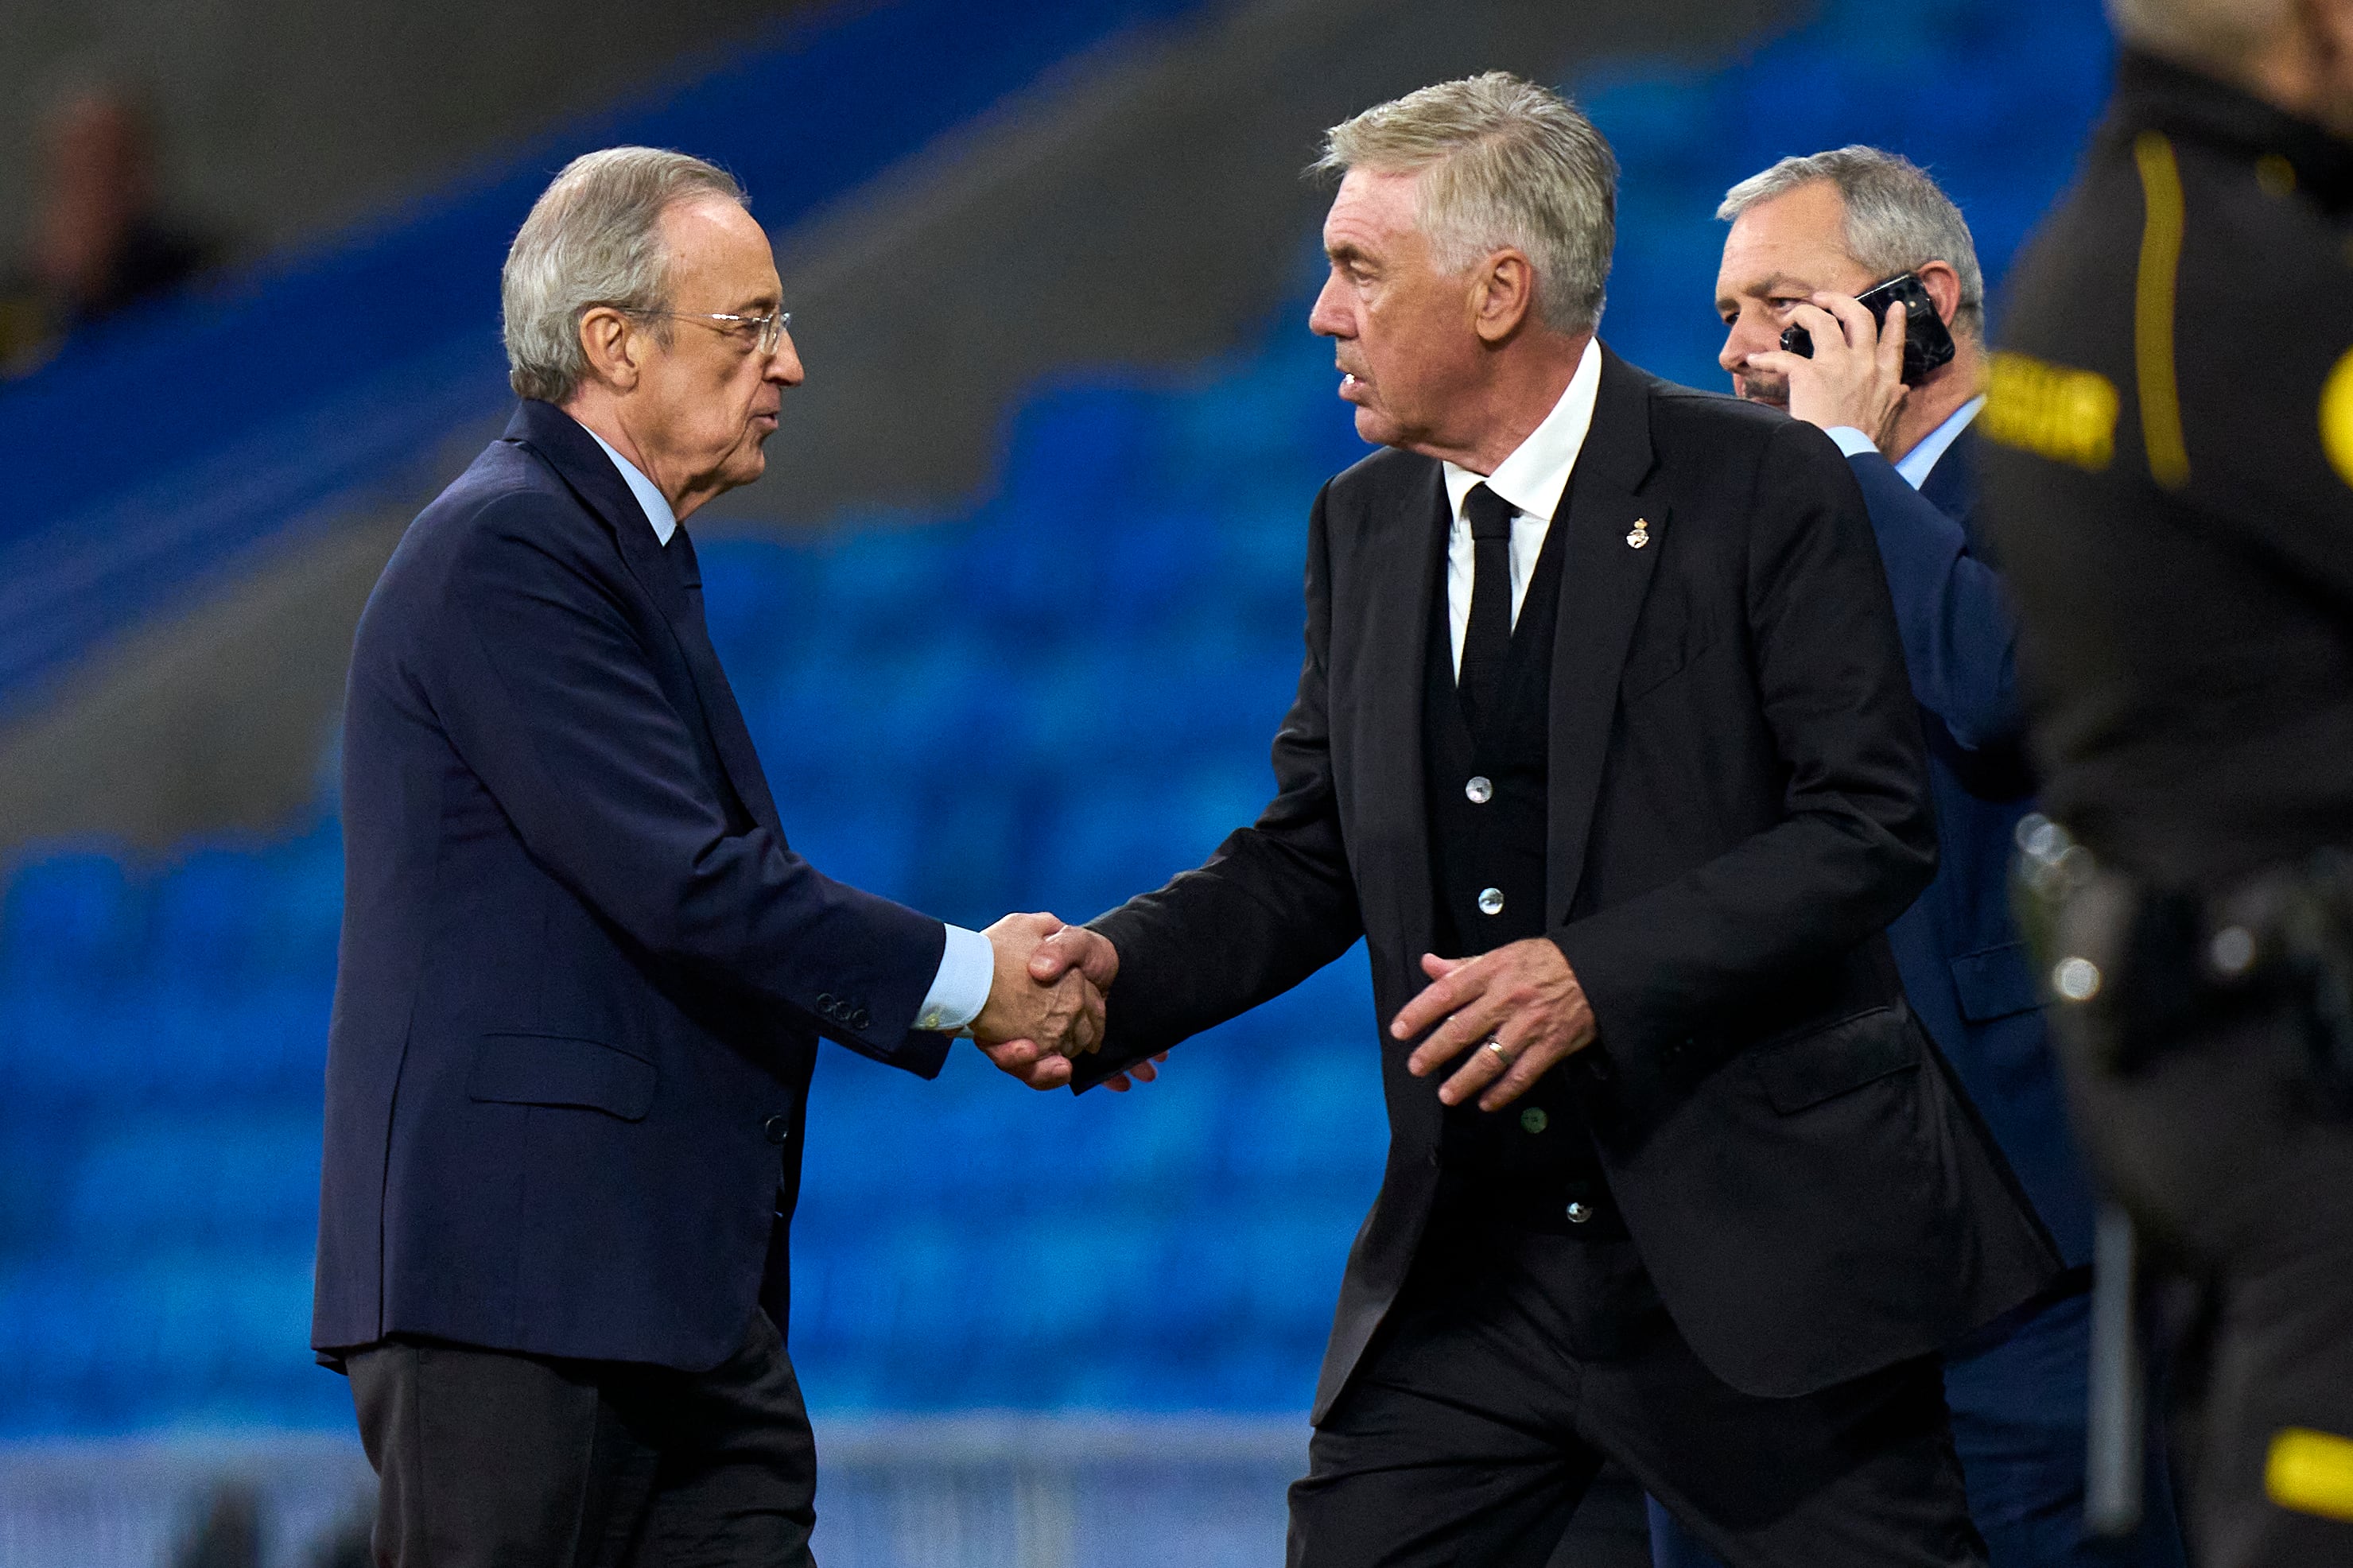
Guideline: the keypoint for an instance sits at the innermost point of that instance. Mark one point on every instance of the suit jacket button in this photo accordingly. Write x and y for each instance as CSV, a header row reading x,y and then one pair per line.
x,y
1479,789
1491,901
777,1128
1578,1213
861,1019
825,1002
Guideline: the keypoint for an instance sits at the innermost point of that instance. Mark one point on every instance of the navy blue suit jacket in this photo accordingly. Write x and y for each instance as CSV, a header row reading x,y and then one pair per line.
x,y
1957,949
582,973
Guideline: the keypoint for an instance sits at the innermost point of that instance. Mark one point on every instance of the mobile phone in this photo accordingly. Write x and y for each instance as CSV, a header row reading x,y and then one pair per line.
x,y
1927,342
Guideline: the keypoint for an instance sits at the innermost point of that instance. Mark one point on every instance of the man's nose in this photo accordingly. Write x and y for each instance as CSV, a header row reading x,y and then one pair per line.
x,y
1734,353
784,366
1329,318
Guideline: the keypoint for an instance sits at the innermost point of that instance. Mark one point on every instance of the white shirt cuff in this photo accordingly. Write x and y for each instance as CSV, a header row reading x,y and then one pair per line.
x,y
960,990
1851,441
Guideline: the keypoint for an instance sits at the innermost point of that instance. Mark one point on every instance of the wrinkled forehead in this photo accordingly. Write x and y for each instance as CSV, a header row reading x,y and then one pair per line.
x,y
1372,213
720,253
1792,243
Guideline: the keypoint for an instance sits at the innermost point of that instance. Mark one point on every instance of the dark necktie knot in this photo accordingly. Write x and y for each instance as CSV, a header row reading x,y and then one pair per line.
x,y
1490,514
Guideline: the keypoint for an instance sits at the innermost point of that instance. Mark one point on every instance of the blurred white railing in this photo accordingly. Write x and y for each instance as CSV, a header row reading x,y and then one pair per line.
x,y
976,1491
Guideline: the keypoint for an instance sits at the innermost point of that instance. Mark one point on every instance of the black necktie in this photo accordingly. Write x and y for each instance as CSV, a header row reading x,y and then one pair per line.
x,y
1487,643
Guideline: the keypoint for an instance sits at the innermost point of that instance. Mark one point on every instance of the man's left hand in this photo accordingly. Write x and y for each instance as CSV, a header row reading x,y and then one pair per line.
x,y
1521,1007
1855,377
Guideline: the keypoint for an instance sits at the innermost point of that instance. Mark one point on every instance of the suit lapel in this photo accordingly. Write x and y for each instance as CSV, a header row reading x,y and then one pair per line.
x,y
730,736
1952,487
675,587
1604,578
1392,674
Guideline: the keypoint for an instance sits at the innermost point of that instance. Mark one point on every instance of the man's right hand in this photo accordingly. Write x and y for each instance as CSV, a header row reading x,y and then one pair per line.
x,y
1070,953
1057,1014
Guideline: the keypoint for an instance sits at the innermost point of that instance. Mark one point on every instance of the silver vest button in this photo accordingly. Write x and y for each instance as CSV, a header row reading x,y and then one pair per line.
x,y
1480,791
1580,1213
1491,901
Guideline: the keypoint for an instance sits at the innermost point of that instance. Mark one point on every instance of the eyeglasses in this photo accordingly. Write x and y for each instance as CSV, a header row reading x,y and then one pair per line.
x,y
767,331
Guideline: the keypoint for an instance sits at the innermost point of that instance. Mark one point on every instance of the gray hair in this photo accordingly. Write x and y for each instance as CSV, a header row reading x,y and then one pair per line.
x,y
1505,162
1897,219
593,238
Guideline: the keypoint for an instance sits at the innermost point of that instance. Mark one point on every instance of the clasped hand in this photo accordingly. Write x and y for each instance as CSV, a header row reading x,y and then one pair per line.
x,y
1063,954
1057,1015
1521,1005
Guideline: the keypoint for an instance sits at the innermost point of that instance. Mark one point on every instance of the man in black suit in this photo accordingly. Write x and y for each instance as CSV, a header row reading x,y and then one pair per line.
x,y
1603,697
582,974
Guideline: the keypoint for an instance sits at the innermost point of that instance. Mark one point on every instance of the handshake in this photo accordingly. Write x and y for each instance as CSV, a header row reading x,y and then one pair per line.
x,y
1046,1002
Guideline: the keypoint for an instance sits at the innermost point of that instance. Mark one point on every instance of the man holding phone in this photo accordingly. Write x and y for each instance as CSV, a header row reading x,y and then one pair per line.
x,y
1823,256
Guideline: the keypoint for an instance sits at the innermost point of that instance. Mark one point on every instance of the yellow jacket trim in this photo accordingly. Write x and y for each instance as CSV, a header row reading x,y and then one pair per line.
x,y
2160,264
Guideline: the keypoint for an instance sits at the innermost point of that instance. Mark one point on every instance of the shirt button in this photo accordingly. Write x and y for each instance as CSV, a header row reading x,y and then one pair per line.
x,y
1491,901
1578,1213
777,1128
1480,791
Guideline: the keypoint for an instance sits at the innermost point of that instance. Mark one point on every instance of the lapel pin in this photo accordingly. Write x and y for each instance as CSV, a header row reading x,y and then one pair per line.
x,y
1641,535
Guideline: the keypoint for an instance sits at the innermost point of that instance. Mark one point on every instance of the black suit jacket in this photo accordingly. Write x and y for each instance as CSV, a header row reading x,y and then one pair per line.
x,y
1738,807
582,974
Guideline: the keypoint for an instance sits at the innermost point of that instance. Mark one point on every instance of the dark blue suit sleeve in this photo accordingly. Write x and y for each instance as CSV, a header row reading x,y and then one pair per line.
x,y
1960,636
544,689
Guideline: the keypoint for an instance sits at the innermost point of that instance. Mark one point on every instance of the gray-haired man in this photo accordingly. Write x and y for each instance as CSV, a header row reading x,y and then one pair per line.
x,y
583,973
1808,235
1603,745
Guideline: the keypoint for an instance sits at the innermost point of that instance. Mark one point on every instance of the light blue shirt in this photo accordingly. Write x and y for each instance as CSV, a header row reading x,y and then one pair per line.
x,y
968,965
1921,461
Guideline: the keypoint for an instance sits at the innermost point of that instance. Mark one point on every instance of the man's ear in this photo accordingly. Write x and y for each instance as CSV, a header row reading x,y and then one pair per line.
x,y
1944,286
1502,295
609,340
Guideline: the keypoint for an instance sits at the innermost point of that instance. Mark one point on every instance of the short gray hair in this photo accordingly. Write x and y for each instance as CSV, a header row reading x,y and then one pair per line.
x,y
1505,162
1897,219
2220,35
593,238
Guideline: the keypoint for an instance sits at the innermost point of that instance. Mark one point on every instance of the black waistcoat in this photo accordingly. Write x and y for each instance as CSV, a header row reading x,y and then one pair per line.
x,y
1488,799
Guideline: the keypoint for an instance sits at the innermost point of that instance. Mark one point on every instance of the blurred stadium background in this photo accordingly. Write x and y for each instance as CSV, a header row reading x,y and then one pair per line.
x,y
1012,618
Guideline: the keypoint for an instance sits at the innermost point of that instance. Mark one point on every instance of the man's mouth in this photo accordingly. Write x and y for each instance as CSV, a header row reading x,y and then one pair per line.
x,y
1351,385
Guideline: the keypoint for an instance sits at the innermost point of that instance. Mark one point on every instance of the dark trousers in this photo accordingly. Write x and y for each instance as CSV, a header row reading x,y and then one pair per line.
x,y
1517,1360
488,1459
2237,1162
2020,1404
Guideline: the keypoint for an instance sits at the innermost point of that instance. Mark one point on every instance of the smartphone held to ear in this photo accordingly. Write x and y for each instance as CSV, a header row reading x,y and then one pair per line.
x,y
1927,343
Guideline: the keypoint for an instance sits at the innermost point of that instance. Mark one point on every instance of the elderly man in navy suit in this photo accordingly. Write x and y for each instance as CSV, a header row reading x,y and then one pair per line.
x,y
583,973
1809,235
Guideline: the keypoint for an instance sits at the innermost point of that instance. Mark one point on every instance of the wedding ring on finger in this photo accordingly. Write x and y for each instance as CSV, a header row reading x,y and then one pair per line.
x,y
1496,1046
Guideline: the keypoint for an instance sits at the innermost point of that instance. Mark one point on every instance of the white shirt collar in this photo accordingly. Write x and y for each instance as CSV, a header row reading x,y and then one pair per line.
x,y
1533,478
1922,458
650,496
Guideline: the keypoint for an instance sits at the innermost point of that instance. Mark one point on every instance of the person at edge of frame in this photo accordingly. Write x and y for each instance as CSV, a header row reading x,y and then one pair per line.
x,y
1809,235
1603,700
2168,472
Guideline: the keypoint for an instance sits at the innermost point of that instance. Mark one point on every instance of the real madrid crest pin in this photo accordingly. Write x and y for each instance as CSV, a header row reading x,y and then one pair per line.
x,y
1640,534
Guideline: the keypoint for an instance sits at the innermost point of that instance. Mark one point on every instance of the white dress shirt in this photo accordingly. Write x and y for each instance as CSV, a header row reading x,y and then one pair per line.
x,y
1921,461
968,966
1531,479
